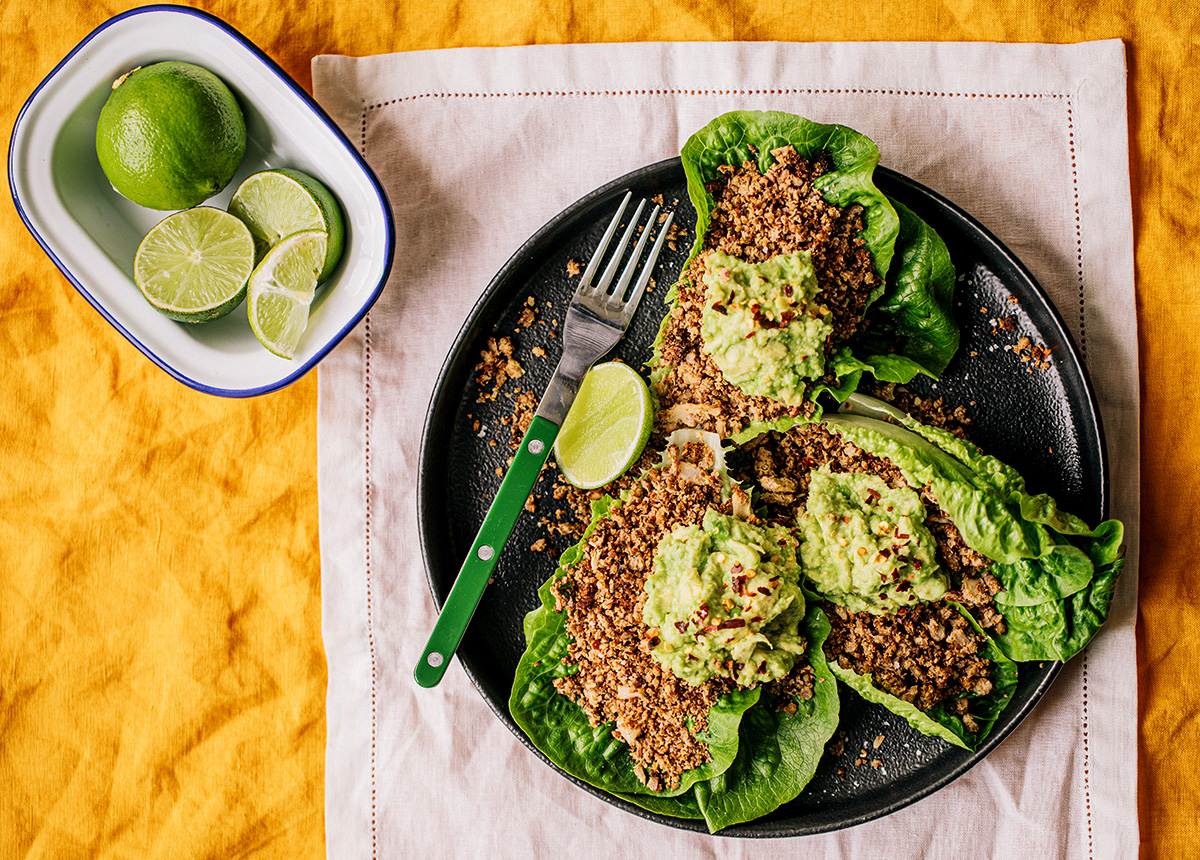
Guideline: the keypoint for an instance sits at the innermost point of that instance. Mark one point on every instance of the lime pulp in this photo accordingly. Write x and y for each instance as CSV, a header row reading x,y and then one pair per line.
x,y
281,290
193,266
280,202
607,427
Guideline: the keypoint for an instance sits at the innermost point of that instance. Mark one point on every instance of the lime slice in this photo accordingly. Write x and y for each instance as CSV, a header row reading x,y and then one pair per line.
x,y
607,427
193,265
278,203
281,290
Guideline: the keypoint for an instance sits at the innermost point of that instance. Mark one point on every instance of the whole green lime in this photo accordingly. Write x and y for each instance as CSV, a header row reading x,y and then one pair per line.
x,y
170,135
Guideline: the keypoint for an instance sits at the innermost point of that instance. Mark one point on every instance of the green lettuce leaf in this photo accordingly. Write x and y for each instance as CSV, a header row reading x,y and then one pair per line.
x,y
778,752
1059,630
560,729
939,722
915,315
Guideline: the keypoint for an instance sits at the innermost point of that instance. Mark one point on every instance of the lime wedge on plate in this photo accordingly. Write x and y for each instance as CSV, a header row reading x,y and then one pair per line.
x,y
278,203
193,265
281,290
607,427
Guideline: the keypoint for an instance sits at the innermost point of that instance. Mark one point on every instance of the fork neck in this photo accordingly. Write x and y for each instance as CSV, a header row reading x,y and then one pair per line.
x,y
563,387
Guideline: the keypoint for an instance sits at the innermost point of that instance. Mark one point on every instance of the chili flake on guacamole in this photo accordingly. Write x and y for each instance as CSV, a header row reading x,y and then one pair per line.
x,y
726,601
865,546
762,324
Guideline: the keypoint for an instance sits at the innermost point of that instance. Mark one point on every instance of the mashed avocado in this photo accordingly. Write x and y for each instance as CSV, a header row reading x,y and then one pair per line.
x,y
724,601
762,325
865,546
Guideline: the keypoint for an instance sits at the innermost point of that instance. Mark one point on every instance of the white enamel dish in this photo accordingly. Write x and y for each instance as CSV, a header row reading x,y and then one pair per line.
x,y
92,233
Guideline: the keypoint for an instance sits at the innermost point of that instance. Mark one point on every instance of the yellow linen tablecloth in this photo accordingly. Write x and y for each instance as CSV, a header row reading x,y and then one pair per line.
x,y
162,678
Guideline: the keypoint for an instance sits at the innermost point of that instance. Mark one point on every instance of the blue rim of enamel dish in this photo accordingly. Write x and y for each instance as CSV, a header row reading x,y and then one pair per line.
x,y
384,205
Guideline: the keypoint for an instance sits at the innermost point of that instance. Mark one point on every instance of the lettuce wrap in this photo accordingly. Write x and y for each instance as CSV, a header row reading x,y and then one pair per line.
x,y
910,325
1057,572
939,722
762,756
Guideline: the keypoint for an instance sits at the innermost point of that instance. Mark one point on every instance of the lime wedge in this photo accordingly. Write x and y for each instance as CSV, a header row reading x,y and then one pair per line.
x,y
278,203
193,265
281,290
607,427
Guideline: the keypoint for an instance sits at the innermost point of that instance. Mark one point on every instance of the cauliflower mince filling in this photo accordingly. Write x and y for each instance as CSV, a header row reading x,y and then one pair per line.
x,y
602,597
757,217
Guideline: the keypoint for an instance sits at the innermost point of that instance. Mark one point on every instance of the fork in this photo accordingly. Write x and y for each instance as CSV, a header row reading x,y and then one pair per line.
x,y
596,319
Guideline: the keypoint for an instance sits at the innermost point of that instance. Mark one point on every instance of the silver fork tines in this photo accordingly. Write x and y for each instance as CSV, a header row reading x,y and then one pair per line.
x,y
597,315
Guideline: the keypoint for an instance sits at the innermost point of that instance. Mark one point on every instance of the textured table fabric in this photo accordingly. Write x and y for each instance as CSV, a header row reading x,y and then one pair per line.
x,y
478,148
162,676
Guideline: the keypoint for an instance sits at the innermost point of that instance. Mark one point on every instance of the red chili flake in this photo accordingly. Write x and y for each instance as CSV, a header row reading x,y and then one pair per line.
x,y
762,668
739,584
749,335
719,308
786,317
704,631
737,568
904,586
762,589
681,626
732,623
756,619
872,494
917,563
703,610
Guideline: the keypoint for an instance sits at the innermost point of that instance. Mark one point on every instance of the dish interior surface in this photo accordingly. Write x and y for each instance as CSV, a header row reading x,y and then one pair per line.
x,y
1044,423
92,232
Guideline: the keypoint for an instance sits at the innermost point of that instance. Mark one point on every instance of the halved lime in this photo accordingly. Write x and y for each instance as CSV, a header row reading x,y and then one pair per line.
x,y
193,265
281,290
280,202
607,427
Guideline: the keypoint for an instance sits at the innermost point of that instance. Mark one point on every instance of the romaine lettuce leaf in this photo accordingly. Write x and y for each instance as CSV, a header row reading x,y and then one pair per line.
x,y
560,728
939,722
1058,630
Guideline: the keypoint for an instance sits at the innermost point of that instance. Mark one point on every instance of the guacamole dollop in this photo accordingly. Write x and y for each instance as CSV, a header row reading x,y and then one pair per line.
x,y
724,600
864,543
762,325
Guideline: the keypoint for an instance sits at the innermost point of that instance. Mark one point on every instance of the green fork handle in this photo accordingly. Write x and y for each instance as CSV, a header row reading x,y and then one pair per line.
x,y
485,551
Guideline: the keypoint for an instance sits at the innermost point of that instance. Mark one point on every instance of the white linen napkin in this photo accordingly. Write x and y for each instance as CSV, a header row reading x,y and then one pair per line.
x,y
477,149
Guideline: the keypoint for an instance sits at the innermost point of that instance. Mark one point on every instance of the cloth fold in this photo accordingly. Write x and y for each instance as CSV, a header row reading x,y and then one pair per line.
x,y
477,149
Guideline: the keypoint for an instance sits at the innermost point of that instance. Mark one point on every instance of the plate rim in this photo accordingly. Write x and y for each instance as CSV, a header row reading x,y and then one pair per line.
x,y
427,469
17,144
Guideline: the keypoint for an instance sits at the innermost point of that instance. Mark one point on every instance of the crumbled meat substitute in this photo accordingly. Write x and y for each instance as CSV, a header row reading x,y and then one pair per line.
x,y
927,654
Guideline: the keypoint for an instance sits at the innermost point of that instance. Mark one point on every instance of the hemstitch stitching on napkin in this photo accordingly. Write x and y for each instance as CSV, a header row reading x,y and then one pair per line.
x,y
367,405
1078,237
671,92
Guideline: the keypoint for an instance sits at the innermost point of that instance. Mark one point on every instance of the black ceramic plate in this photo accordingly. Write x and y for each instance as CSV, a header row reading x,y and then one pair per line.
x,y
1045,423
